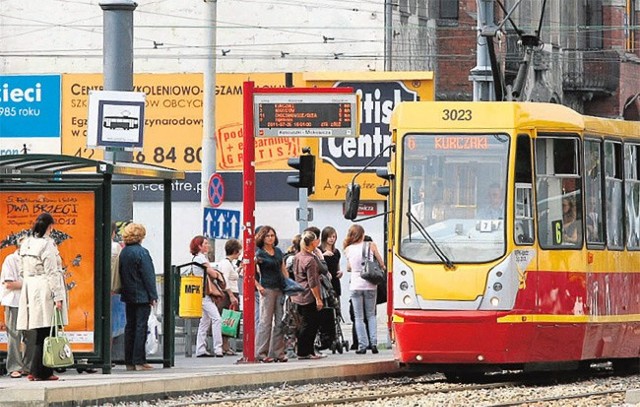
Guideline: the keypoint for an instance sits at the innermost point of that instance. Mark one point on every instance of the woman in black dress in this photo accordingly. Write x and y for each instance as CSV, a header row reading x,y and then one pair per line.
x,y
331,255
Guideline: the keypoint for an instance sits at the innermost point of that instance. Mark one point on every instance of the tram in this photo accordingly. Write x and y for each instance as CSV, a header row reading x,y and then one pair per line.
x,y
513,237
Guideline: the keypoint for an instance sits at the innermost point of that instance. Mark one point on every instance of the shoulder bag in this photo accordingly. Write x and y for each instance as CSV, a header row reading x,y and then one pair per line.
x,y
371,270
57,349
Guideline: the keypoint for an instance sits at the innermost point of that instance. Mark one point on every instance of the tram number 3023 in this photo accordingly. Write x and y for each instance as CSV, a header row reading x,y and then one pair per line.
x,y
456,114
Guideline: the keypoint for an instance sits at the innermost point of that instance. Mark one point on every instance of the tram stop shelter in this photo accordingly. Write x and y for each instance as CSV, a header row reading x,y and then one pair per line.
x,y
77,192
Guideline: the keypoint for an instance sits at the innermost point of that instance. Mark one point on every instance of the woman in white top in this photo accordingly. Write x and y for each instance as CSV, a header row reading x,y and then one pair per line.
x,y
199,248
363,293
228,268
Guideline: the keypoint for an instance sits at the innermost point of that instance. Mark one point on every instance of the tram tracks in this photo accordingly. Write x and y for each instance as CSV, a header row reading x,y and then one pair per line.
x,y
600,388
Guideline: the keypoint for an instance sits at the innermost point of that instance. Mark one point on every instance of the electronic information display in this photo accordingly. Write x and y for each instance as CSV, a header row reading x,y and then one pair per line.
x,y
305,115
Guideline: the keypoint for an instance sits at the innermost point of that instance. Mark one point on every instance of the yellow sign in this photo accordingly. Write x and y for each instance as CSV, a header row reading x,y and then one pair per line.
x,y
173,121
174,124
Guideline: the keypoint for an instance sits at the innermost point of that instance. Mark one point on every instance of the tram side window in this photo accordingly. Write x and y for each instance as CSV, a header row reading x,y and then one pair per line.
x,y
558,191
593,191
632,194
613,193
523,230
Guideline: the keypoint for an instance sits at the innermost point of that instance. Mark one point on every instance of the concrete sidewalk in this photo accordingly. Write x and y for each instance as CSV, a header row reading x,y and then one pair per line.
x,y
189,375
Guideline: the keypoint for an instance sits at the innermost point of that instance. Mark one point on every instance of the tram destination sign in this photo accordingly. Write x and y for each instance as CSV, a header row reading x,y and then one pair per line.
x,y
305,115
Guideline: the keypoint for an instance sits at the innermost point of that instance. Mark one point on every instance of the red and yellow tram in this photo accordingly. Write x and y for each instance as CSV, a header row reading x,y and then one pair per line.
x,y
514,237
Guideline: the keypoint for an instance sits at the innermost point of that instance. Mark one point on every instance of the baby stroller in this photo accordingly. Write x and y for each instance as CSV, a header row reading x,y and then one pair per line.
x,y
330,332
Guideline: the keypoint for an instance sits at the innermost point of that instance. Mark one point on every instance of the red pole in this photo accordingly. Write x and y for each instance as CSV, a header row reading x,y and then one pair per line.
x,y
248,238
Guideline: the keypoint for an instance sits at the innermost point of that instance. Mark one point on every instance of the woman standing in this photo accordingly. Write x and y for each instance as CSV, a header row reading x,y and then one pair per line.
x,y
211,319
363,293
138,292
229,269
270,344
332,257
307,274
42,288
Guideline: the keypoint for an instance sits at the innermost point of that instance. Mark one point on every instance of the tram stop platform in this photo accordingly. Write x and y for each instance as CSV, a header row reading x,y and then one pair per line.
x,y
189,375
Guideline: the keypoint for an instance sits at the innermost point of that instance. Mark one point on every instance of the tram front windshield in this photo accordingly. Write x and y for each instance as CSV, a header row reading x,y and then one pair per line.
x,y
453,197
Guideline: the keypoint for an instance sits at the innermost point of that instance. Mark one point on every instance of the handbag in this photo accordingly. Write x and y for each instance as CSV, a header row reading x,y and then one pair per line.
x,y
230,322
57,349
214,287
372,272
292,287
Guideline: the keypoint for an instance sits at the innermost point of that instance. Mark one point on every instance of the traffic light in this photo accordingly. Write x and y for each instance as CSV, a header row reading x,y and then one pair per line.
x,y
306,178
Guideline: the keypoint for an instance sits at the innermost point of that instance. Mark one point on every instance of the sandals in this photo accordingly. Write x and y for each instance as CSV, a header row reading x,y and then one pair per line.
x,y
312,357
32,378
229,352
267,360
15,374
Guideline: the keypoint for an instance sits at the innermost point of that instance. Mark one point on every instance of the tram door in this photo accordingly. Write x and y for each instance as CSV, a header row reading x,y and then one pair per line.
x,y
560,214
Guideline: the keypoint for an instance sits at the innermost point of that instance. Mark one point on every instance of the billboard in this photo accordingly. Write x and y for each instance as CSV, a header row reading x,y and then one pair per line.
x,y
29,114
174,125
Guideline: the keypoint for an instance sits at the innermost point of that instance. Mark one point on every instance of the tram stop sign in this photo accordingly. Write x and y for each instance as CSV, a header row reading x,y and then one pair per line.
x,y
215,190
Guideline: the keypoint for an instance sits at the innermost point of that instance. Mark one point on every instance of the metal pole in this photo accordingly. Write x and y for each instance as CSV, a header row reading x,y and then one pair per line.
x,y
209,109
249,207
481,74
117,62
117,49
388,35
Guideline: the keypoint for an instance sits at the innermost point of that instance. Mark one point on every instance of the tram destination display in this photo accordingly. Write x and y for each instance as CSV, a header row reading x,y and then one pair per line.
x,y
305,115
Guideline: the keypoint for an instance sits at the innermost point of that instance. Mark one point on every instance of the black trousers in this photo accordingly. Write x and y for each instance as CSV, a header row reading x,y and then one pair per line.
x,y
38,370
309,329
135,333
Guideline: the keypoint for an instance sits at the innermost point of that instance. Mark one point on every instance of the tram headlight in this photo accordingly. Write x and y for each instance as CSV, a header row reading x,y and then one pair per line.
x,y
495,301
404,286
407,300
497,287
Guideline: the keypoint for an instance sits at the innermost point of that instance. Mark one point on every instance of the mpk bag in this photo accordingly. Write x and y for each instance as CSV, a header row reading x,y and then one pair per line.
x,y
230,322
57,349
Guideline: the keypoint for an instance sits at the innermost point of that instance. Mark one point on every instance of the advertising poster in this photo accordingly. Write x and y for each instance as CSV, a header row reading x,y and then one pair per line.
x,y
73,231
339,159
173,121
174,125
29,114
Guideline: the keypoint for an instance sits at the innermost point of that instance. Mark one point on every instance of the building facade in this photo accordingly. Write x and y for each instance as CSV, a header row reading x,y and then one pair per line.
x,y
588,58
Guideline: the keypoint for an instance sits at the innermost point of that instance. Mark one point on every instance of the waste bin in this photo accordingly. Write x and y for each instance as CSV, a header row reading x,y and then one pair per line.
x,y
190,304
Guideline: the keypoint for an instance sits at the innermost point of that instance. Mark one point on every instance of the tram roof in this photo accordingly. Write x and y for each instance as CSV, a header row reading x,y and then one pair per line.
x,y
505,115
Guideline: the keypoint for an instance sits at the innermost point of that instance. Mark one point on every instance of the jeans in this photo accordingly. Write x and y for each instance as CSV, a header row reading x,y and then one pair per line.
x,y
135,333
364,306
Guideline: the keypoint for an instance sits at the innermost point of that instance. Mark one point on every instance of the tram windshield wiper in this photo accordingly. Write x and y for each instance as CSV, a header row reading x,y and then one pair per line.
x,y
437,250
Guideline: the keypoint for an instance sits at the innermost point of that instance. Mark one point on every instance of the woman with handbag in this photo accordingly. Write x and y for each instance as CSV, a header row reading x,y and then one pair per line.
x,y
138,292
270,345
363,293
229,269
211,319
43,290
